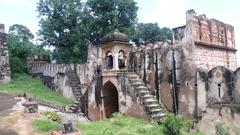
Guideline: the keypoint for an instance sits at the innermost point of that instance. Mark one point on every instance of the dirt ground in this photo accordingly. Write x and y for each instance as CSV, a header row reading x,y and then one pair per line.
x,y
11,118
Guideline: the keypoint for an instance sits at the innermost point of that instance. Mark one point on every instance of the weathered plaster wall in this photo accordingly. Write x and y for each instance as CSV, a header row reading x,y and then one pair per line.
x,y
218,99
5,73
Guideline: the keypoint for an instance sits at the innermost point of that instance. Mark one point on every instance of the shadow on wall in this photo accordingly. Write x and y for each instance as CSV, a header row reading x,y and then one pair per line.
x,y
217,88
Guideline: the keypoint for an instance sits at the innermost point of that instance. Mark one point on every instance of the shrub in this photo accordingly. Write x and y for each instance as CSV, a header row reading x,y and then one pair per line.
x,y
52,116
173,124
17,66
221,129
45,125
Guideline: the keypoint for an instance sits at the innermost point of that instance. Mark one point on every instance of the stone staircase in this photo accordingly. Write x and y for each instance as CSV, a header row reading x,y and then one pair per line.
x,y
148,101
74,83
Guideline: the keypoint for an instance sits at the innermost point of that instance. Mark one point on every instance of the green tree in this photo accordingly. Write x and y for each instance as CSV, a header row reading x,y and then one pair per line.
x,y
106,15
149,33
21,32
69,25
62,27
20,47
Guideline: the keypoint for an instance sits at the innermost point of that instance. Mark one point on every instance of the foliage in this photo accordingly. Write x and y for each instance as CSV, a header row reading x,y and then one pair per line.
x,y
221,129
17,66
21,32
106,15
173,124
20,47
70,25
45,125
62,27
149,33
34,88
52,116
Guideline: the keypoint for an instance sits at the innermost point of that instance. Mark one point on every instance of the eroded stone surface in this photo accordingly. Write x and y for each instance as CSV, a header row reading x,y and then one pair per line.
x,y
5,73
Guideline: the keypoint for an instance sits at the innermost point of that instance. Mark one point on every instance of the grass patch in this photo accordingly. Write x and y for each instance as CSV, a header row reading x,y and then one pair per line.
x,y
120,125
32,86
45,125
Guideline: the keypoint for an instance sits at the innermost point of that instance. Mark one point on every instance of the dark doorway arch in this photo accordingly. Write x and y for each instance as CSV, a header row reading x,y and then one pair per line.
x,y
110,99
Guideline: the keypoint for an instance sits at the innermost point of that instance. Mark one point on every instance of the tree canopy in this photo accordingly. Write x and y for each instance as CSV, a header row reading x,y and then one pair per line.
x,y
62,27
70,25
21,32
20,47
149,33
106,15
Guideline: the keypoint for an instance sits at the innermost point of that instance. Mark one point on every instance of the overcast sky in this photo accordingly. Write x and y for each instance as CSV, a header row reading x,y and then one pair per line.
x,y
167,13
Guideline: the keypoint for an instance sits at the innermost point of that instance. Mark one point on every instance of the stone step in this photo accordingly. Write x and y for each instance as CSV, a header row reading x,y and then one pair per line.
x,y
76,86
135,80
142,88
156,110
137,84
147,96
75,105
76,102
143,92
149,101
74,82
132,76
72,108
78,93
160,115
153,106
71,76
76,89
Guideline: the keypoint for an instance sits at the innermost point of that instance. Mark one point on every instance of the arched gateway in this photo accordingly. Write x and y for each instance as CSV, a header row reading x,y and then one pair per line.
x,y
110,99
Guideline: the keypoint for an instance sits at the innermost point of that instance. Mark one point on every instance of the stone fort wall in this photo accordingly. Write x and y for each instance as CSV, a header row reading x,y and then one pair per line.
x,y
5,73
198,50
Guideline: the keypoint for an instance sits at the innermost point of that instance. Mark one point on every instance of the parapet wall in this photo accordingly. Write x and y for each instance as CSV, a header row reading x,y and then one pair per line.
x,y
56,76
5,73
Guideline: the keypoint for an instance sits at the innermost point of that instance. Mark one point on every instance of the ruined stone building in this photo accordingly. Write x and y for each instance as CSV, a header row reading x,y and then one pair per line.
x,y
193,75
213,40
5,75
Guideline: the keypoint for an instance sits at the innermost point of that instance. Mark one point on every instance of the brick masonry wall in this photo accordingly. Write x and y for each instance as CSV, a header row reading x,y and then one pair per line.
x,y
214,43
207,58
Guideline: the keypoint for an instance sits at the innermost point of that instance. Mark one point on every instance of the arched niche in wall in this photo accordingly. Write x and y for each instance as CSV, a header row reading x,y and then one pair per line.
x,y
219,85
109,60
121,59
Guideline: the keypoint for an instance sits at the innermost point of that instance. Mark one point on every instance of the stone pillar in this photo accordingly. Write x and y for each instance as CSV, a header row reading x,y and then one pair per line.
x,y
115,61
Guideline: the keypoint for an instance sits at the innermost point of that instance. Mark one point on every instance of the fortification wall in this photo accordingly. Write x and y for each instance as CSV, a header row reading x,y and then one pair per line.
x,y
56,76
5,73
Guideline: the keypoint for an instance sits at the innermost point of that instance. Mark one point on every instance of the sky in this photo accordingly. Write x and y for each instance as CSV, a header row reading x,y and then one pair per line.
x,y
167,13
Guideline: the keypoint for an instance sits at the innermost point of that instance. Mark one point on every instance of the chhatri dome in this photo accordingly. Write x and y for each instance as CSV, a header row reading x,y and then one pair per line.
x,y
115,35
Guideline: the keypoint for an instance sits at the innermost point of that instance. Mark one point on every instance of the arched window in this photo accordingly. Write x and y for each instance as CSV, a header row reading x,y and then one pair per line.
x,y
109,60
121,59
